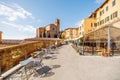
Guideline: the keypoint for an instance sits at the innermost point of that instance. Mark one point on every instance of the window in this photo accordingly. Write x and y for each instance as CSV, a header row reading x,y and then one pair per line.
x,y
111,16
107,8
100,22
91,25
95,24
94,15
100,13
106,19
103,21
113,2
115,14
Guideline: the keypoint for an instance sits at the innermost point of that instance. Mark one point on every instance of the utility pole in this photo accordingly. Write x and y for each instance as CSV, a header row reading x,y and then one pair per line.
x,y
83,46
108,39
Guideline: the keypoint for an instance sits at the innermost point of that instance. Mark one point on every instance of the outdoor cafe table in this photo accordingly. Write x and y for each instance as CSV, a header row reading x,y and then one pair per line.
x,y
24,63
47,50
36,53
44,49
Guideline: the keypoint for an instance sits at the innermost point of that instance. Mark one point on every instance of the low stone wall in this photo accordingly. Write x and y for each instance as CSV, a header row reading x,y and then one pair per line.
x,y
6,45
11,56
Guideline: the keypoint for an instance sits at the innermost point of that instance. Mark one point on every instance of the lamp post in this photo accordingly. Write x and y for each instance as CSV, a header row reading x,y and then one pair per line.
x,y
83,46
108,39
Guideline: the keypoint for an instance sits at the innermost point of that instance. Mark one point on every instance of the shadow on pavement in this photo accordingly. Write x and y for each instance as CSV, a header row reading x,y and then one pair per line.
x,y
55,66
51,57
47,57
48,74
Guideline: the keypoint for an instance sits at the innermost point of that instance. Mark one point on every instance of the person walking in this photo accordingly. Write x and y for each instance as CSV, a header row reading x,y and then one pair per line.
x,y
56,44
113,47
76,43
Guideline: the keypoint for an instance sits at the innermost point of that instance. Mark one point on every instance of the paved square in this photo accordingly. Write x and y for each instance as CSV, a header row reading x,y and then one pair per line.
x,y
69,65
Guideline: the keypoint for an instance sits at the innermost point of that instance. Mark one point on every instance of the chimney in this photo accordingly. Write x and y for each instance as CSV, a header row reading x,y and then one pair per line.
x,y
0,36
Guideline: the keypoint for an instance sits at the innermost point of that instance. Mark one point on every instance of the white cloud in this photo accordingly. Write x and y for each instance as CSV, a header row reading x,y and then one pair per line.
x,y
99,1
28,28
13,12
10,16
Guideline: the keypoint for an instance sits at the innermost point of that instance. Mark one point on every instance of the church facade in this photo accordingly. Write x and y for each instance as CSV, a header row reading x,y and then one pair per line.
x,y
49,31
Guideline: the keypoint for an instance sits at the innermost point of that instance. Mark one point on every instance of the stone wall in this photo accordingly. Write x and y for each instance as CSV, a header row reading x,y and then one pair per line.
x,y
10,56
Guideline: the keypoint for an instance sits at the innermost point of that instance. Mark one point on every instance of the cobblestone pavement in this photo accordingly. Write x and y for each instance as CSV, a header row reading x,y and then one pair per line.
x,y
68,65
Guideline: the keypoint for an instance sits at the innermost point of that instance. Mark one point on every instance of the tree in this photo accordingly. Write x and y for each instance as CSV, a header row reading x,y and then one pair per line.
x,y
60,34
56,35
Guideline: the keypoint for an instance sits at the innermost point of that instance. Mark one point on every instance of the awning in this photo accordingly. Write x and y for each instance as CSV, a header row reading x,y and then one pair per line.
x,y
78,38
102,32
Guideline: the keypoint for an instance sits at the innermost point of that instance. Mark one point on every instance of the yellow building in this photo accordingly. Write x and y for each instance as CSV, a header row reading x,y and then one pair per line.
x,y
68,33
107,13
103,25
75,33
71,33
85,26
63,35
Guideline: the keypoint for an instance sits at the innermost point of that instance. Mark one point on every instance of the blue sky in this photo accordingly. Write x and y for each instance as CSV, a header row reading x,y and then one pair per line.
x,y
20,18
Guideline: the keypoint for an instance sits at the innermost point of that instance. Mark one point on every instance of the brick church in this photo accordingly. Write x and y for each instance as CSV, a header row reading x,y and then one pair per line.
x,y
49,31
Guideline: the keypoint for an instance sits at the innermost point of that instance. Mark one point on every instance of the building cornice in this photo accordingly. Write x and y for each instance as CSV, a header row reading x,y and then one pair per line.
x,y
106,1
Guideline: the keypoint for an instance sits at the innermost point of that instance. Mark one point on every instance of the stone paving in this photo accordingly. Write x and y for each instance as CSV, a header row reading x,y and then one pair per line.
x,y
69,65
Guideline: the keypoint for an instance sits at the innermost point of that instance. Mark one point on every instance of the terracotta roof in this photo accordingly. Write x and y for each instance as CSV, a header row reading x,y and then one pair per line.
x,y
99,7
71,28
40,39
11,41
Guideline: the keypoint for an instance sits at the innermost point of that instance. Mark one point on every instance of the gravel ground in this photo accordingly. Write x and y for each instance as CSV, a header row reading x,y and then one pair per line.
x,y
68,65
